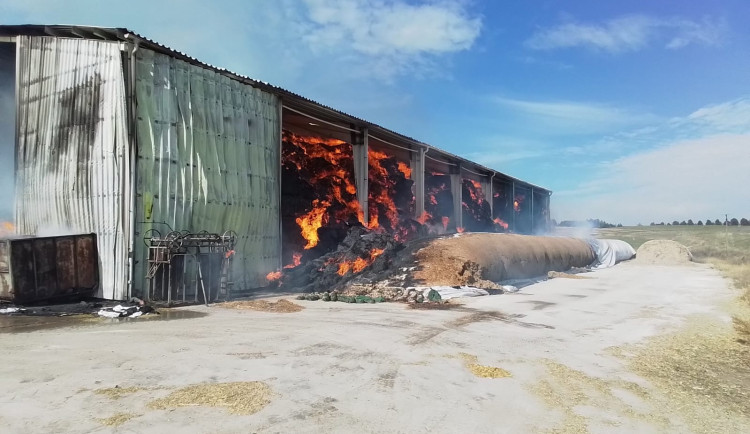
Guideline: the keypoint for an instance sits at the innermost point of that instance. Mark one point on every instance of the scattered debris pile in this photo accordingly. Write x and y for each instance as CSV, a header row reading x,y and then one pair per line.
x,y
361,250
663,252
121,311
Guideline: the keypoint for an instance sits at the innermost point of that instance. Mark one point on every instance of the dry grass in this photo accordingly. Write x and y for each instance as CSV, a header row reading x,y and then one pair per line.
x,y
482,371
569,390
281,306
117,419
117,392
238,398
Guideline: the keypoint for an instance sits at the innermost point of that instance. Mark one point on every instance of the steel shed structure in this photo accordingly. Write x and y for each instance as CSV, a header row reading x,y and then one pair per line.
x,y
117,135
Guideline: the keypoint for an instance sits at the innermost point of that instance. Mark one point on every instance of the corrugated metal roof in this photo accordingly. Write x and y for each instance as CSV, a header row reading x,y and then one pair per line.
x,y
289,98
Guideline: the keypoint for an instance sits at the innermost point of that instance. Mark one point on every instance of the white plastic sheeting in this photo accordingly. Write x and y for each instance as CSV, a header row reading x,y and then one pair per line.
x,y
610,252
208,160
72,160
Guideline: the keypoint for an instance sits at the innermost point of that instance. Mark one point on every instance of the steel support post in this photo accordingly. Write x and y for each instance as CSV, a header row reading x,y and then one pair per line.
x,y
456,191
418,176
361,168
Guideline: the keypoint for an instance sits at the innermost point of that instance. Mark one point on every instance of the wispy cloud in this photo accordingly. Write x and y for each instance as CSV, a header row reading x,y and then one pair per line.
x,y
630,33
572,117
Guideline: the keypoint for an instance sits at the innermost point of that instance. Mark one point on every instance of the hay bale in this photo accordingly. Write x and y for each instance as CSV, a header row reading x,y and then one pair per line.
x,y
663,252
480,258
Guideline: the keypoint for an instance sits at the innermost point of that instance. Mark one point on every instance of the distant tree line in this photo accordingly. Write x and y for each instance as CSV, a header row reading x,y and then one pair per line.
x,y
732,222
592,223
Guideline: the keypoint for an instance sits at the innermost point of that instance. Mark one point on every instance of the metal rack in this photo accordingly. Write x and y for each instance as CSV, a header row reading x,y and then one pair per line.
x,y
170,268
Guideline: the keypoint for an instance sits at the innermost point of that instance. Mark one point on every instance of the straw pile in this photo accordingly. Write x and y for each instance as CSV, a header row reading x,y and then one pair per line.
x,y
281,306
238,397
117,419
663,252
483,371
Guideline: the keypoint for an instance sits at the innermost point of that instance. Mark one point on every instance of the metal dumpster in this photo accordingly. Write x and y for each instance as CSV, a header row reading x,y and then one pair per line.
x,y
42,268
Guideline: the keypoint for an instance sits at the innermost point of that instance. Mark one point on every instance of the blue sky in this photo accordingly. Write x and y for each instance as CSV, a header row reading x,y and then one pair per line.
x,y
631,112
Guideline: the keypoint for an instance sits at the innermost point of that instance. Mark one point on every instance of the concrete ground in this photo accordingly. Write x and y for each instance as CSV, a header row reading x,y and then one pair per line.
x,y
336,367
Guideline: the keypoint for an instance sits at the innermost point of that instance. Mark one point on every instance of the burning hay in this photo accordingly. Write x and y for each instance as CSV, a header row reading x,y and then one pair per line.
x,y
238,398
281,306
361,250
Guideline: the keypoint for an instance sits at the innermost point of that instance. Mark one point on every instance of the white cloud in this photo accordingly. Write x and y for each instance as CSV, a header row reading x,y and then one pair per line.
x,y
377,27
695,166
629,33
386,38
694,179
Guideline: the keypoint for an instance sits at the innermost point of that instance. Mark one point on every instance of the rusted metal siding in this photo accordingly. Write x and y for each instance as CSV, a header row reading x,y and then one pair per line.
x,y
208,160
46,268
72,158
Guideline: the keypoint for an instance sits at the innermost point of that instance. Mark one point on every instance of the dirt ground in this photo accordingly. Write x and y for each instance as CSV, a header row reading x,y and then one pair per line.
x,y
565,355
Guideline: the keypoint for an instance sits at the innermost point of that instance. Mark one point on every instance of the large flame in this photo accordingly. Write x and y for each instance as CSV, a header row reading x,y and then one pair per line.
x,y
312,221
517,202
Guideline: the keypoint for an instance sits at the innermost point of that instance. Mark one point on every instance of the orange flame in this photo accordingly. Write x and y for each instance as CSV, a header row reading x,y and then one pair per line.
x,y
460,230
517,201
296,260
312,221
384,197
405,169
359,264
501,223
273,276
424,217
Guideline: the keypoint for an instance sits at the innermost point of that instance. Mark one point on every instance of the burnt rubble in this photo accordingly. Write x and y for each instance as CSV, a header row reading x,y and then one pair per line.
x,y
372,251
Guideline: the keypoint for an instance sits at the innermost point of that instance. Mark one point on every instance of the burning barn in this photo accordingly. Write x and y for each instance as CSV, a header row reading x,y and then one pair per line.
x,y
196,180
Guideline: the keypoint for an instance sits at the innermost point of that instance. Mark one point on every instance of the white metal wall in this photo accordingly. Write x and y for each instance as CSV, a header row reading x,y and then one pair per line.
x,y
72,148
208,159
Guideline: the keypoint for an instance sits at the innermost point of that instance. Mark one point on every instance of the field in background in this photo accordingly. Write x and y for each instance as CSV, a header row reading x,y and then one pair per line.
x,y
727,248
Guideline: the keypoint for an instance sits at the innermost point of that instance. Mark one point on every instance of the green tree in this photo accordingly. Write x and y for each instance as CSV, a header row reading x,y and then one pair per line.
x,y
744,222
718,222
700,223
709,222
690,222
734,222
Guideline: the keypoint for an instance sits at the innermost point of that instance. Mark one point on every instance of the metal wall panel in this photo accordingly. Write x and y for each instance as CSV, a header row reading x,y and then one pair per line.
x,y
208,159
72,162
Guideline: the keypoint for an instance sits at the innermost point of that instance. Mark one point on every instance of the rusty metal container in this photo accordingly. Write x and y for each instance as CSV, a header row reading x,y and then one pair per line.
x,y
42,268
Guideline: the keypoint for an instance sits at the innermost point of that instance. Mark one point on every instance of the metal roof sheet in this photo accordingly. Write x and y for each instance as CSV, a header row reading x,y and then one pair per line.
x,y
289,98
